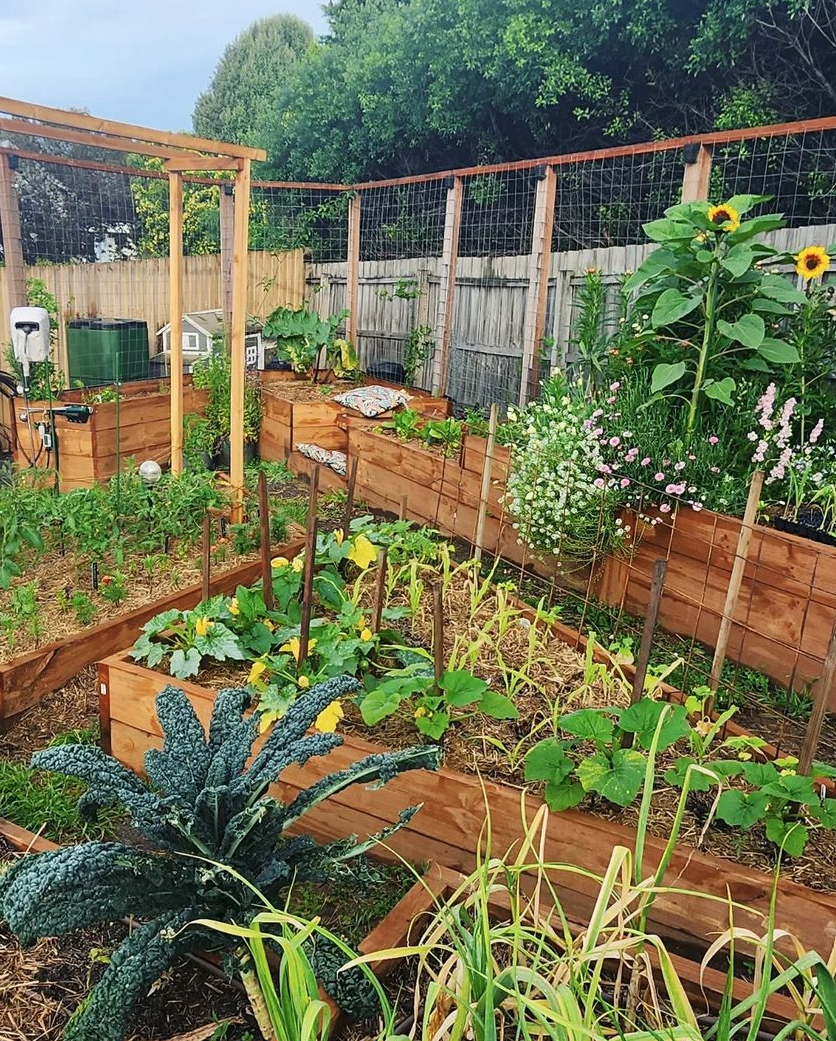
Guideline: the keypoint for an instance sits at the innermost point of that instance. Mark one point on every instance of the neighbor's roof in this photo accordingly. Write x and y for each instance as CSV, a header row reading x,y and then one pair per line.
x,y
211,322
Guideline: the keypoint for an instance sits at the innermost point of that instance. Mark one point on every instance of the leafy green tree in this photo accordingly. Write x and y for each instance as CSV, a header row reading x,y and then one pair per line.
x,y
241,97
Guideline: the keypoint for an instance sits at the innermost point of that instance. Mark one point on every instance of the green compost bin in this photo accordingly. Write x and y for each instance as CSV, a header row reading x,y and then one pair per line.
x,y
107,350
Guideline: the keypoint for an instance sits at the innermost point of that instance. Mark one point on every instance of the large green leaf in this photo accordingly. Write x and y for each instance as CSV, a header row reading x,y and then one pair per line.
x,y
564,795
498,706
748,330
659,262
742,809
643,717
738,260
665,230
184,663
778,352
757,226
776,287
617,779
587,724
548,761
791,836
666,374
378,705
671,306
720,390
462,687
744,203
219,643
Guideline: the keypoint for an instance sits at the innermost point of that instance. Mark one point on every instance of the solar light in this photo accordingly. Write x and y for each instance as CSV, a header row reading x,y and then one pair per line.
x,y
150,472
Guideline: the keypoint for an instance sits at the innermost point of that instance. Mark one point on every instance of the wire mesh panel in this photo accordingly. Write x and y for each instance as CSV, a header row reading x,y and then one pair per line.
x,y
312,218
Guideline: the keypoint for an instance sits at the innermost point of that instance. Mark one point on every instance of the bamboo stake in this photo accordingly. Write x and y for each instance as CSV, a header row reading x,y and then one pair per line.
x,y
379,590
264,527
487,474
812,735
175,277
735,582
402,510
206,558
656,585
349,502
310,554
438,635
237,337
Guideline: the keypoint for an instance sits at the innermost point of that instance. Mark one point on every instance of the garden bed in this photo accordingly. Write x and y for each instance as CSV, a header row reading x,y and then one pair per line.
x,y
786,606
449,828
26,678
298,411
138,426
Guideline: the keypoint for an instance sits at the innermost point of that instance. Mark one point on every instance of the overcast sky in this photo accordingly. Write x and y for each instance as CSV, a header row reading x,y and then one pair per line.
x,y
140,61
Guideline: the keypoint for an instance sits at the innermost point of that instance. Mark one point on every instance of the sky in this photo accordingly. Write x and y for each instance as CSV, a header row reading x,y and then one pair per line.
x,y
139,61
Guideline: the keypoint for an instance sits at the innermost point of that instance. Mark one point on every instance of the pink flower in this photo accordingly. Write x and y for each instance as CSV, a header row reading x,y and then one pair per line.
x,y
625,482
713,440
765,406
696,506
615,386
646,461
660,476
715,469
815,433
598,412
615,442
599,482
760,452
665,508
605,468
670,489
752,436
610,400
691,457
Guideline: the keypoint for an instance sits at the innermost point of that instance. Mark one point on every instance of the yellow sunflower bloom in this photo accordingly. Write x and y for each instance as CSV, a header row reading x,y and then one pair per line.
x,y
304,682
339,536
278,562
812,262
725,217
366,635
328,719
363,553
233,607
257,670
298,563
202,626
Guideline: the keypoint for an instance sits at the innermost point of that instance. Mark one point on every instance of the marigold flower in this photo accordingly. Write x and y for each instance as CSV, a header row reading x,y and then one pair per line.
x,y
811,262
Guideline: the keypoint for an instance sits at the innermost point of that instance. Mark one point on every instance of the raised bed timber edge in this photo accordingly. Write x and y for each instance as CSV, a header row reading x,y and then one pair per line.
x,y
450,827
787,602
138,426
286,423
27,679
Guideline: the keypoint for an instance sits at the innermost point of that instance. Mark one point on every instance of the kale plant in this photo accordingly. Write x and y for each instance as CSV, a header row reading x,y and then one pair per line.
x,y
211,839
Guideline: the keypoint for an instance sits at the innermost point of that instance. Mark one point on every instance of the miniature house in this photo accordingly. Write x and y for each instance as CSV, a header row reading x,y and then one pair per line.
x,y
200,328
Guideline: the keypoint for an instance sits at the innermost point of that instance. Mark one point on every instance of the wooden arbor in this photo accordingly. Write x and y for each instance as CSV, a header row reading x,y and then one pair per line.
x,y
181,153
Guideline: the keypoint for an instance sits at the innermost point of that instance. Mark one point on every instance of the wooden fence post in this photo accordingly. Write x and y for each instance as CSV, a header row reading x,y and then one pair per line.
x,y
14,274
538,283
824,689
487,473
238,338
175,279
735,581
352,284
654,601
447,287
697,173
227,218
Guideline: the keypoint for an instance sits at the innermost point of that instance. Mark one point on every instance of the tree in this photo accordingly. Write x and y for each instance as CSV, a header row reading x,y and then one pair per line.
x,y
242,95
404,86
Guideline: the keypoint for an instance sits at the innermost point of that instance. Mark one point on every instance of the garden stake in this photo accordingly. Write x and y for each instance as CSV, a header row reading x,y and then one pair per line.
x,y
264,527
349,501
438,636
310,554
746,528
379,591
656,584
812,735
206,557
402,510
486,482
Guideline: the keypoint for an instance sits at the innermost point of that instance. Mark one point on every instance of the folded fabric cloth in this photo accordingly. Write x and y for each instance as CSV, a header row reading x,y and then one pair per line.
x,y
372,401
337,461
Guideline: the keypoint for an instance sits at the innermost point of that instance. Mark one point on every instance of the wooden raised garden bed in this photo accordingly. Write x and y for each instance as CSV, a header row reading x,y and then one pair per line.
x,y
25,680
138,426
287,422
787,603
449,827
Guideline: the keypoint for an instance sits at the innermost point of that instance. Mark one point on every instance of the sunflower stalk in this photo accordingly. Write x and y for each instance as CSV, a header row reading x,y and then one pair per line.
x,y
705,348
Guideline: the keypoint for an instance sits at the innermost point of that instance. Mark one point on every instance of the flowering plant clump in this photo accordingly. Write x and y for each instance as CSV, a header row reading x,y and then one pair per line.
x,y
557,490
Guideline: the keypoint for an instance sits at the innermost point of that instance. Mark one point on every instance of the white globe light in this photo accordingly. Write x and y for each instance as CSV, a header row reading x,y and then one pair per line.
x,y
150,472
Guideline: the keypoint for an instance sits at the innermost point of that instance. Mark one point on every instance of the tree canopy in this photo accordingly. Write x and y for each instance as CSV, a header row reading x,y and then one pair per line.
x,y
405,86
242,97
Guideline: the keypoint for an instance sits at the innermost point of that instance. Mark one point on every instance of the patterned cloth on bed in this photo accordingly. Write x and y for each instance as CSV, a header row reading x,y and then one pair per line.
x,y
337,461
372,401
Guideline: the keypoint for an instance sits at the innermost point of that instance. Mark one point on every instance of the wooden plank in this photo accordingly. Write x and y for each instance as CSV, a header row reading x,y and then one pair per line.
x,y
130,131
238,335
353,269
695,180
14,280
538,284
175,306
227,229
30,677
447,289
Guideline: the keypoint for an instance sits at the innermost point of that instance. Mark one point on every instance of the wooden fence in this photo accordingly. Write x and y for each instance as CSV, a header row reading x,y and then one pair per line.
x,y
488,329
139,289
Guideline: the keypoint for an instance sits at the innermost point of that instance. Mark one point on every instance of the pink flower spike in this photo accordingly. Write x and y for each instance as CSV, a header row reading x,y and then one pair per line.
x,y
815,433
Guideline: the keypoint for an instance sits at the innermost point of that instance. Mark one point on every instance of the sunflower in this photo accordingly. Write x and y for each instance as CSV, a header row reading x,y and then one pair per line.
x,y
724,217
811,262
